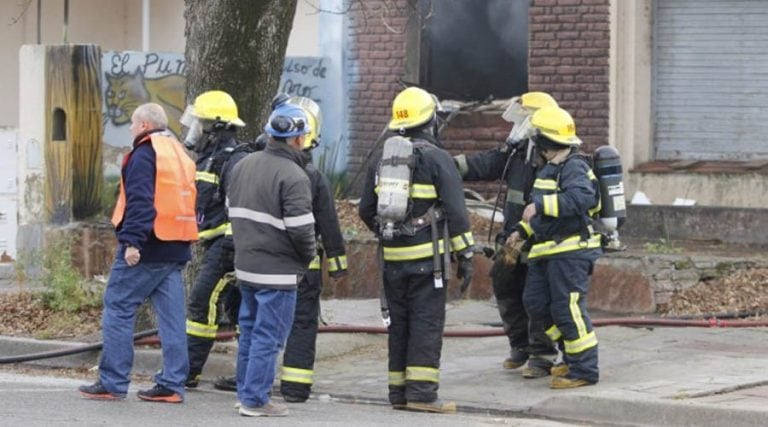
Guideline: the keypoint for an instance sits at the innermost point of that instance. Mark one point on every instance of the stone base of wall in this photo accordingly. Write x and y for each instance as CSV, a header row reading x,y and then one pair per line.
x,y
630,282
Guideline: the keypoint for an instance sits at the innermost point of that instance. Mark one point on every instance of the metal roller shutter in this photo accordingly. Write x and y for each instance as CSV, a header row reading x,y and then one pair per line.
x,y
710,71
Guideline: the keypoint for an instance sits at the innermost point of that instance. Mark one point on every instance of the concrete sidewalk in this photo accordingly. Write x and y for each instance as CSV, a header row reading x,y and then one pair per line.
x,y
659,376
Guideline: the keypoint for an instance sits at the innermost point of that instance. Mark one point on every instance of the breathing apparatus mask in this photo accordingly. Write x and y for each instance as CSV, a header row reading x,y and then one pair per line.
x,y
520,116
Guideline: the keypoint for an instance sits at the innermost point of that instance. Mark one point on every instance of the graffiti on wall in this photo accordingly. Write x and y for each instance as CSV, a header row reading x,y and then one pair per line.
x,y
304,76
134,78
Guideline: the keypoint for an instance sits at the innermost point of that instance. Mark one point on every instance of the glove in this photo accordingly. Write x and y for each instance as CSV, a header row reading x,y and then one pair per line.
x,y
466,271
512,253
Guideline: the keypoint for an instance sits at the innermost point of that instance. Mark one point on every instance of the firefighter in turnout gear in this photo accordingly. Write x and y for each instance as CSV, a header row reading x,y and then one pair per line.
x,y
414,250
299,356
558,223
515,162
212,122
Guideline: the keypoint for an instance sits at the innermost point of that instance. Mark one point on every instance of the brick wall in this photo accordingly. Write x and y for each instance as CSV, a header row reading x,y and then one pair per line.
x,y
568,48
375,61
568,51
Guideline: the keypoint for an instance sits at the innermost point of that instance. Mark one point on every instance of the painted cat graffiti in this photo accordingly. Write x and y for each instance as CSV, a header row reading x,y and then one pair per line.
x,y
125,92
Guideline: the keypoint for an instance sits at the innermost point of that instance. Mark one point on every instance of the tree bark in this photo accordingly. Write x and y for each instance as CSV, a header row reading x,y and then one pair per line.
x,y
238,47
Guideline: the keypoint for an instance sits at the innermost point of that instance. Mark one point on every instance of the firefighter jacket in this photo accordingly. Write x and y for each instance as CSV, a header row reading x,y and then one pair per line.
x,y
436,182
566,196
270,206
155,208
214,166
520,173
326,224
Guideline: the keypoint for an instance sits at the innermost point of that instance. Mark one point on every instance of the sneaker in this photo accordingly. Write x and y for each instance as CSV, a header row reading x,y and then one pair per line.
x,y
238,405
516,359
193,380
159,393
565,382
268,410
438,406
225,383
559,370
294,399
96,391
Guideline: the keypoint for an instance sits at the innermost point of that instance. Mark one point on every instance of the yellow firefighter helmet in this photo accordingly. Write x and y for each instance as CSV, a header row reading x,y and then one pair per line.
x,y
412,108
557,125
216,105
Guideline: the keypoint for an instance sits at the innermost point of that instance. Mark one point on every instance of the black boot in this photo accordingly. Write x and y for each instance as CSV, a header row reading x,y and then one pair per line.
x,y
225,383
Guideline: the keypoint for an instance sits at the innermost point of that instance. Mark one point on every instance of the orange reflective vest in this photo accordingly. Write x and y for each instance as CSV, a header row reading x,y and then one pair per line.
x,y
175,191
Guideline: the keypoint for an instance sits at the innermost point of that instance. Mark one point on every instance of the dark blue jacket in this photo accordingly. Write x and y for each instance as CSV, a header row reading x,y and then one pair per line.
x,y
136,228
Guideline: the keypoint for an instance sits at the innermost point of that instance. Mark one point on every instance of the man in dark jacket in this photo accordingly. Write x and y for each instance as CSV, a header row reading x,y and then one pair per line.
x,y
413,279
515,162
212,122
155,222
299,356
270,206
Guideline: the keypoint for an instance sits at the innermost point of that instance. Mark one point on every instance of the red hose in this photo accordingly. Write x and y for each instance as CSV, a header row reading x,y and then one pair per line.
x,y
639,322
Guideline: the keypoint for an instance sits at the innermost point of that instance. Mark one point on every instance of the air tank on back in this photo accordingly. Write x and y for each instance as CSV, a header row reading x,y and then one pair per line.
x,y
613,213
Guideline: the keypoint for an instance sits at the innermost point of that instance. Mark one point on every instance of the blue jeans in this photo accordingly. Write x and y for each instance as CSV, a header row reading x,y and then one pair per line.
x,y
266,316
127,289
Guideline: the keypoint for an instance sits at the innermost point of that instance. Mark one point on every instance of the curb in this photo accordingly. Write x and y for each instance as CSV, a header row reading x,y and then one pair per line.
x,y
608,410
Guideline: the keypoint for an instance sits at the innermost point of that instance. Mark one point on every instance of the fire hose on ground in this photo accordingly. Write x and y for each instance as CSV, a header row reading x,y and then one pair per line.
x,y
150,337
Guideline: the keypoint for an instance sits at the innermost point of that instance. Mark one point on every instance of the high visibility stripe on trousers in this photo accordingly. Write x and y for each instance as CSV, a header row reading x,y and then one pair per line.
x,y
208,330
586,340
297,375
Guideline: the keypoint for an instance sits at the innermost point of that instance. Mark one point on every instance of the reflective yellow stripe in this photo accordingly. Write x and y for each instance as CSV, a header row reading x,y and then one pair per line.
x,y
207,177
214,232
596,209
315,263
550,205
228,230
554,333
423,191
527,228
337,263
212,308
578,319
545,184
422,373
407,253
296,375
570,244
584,343
462,241
201,330
591,175
396,378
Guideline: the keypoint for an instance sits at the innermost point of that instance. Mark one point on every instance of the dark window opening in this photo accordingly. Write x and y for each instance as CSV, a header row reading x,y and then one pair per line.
x,y
470,50
59,125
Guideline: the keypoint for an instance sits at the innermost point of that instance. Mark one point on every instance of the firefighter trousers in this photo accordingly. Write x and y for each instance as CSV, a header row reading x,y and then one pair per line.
x,y
556,294
524,335
299,356
417,314
210,290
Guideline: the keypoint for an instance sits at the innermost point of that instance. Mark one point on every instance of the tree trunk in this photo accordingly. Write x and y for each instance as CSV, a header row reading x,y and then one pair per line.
x,y
238,47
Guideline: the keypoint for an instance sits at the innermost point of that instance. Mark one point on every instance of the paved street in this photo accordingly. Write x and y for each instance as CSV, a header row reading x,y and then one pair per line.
x,y
37,399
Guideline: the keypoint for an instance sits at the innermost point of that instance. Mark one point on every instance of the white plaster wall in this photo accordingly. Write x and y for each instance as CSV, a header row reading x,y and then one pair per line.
x,y
114,25
731,190
31,134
